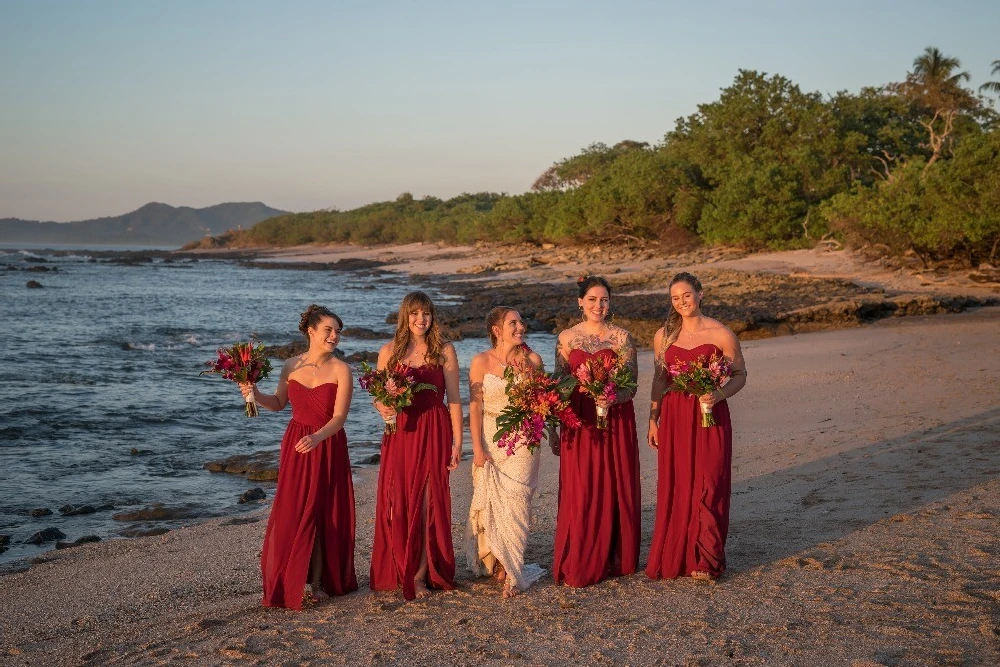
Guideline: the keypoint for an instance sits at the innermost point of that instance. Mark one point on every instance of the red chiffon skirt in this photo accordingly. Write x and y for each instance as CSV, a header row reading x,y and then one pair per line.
x,y
414,470
598,523
693,490
314,501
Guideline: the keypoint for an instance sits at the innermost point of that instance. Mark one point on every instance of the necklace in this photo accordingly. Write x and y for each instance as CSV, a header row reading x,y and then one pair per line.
x,y
692,332
315,364
502,362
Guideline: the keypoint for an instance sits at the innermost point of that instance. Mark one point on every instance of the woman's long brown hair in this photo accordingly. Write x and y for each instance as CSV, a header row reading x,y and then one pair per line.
x,y
435,339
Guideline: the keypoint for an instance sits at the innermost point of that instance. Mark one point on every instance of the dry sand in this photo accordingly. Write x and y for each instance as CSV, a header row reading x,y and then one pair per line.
x,y
864,531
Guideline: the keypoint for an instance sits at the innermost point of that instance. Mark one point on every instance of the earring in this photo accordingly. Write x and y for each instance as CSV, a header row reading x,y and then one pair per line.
x,y
580,307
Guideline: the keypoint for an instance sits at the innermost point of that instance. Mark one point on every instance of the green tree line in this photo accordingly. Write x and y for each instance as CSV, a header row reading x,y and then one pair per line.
x,y
912,166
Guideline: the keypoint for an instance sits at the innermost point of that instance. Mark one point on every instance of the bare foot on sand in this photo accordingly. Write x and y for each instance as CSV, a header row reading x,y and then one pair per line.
x,y
421,590
510,591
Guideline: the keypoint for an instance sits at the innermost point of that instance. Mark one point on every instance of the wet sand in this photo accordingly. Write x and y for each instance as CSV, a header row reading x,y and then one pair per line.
x,y
864,531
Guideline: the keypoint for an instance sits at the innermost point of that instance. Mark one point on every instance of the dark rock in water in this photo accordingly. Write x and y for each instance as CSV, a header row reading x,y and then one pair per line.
x,y
356,263
86,539
263,475
33,284
239,521
41,511
156,512
41,269
142,532
285,351
47,535
253,494
135,451
4,540
358,357
370,460
364,333
260,466
75,510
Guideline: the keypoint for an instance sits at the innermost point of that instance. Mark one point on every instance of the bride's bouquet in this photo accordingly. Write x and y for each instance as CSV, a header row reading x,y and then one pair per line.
x,y
393,387
242,363
701,376
536,401
601,377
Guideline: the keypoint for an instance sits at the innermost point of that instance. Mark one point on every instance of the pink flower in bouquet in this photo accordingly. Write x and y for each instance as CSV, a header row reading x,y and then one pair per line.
x,y
700,377
393,387
608,372
536,401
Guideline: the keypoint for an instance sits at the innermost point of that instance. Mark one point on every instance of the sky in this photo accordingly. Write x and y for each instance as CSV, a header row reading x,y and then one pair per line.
x,y
107,105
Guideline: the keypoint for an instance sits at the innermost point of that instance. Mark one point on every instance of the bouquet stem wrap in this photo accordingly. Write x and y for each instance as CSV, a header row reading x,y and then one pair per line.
x,y
707,419
251,406
602,417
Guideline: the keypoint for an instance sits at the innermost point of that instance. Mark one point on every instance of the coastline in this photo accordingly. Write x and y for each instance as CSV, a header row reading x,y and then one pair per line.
x,y
757,295
862,455
864,531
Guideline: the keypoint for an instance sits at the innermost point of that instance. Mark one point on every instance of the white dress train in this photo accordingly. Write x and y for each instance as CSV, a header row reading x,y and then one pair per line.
x,y
500,515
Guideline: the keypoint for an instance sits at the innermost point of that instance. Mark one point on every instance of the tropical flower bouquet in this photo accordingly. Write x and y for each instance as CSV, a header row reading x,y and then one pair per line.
x,y
392,387
536,401
242,363
601,377
699,377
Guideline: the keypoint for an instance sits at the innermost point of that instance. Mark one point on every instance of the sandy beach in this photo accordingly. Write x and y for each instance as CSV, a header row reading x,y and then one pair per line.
x,y
866,497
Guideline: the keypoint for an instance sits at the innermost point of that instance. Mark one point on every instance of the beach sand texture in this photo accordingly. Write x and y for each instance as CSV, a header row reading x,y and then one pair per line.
x,y
866,497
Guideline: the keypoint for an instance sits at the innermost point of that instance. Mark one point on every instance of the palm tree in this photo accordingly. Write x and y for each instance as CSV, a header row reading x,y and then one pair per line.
x,y
936,82
935,73
992,86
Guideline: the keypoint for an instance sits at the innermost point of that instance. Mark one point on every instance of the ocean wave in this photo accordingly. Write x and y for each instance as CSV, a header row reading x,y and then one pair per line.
x,y
155,347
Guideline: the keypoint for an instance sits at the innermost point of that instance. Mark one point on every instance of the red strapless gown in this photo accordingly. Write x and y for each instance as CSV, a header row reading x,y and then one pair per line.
x,y
314,501
693,487
414,463
598,523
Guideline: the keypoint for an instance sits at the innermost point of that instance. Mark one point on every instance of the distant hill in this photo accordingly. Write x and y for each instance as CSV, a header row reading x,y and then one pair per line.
x,y
153,224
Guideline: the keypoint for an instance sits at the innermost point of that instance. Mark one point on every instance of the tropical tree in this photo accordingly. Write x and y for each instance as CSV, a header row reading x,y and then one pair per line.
x,y
936,82
992,86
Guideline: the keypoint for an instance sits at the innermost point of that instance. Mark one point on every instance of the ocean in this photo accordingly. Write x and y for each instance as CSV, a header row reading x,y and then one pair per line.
x,y
101,403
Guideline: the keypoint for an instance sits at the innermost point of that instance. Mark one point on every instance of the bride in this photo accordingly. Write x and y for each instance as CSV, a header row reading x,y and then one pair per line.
x,y
499,518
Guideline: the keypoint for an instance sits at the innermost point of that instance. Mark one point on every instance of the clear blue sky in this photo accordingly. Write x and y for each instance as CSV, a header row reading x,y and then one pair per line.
x,y
306,105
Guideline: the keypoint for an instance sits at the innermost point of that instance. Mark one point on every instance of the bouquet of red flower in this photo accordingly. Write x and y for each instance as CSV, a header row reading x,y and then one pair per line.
x,y
393,387
242,363
701,376
601,377
536,401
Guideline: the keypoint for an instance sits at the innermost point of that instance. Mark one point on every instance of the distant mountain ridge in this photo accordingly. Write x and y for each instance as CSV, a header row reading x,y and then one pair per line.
x,y
152,224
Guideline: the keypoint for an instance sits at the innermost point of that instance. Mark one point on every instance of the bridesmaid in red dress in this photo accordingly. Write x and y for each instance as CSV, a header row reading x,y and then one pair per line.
x,y
413,547
598,520
693,487
308,550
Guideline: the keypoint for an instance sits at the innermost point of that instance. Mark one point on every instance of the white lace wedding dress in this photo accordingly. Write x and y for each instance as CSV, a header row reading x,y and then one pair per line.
x,y
500,515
